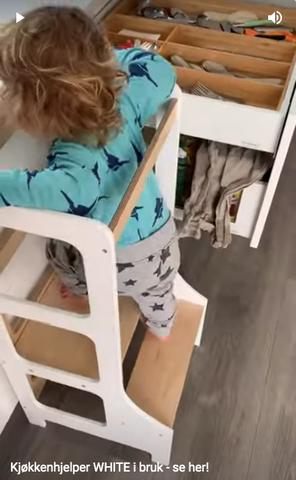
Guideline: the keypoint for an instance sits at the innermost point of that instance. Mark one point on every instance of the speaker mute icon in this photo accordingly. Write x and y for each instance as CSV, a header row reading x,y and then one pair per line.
x,y
276,17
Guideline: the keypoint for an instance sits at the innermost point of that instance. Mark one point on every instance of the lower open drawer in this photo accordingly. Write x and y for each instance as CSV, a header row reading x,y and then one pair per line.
x,y
248,210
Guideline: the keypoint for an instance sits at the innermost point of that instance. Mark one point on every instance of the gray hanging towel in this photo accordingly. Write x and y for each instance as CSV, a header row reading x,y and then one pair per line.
x,y
220,171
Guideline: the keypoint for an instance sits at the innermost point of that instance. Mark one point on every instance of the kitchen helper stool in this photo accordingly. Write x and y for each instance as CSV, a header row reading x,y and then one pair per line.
x,y
85,349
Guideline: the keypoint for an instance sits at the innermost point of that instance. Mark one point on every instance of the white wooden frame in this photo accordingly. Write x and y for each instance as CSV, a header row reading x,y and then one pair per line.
x,y
125,422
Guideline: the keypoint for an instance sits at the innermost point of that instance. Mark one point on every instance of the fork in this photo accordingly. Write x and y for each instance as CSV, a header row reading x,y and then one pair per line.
x,y
203,91
149,47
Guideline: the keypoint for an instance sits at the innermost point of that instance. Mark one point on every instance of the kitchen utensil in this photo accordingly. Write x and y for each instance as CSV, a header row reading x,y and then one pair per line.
x,y
203,91
154,13
273,81
193,66
239,30
143,4
239,16
271,35
179,21
253,23
204,22
179,61
149,47
213,67
225,26
176,13
288,36
146,36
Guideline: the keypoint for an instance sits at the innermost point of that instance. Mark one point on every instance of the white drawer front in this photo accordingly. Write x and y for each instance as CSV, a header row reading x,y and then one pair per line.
x,y
231,123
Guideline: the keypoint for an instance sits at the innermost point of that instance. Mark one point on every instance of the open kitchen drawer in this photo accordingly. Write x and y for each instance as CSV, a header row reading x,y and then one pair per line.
x,y
254,111
258,116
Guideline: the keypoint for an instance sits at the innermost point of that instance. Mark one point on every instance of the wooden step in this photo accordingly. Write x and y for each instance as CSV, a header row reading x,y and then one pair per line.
x,y
66,350
158,378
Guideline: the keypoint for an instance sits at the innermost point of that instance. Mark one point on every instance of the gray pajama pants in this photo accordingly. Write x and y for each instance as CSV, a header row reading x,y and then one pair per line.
x,y
145,272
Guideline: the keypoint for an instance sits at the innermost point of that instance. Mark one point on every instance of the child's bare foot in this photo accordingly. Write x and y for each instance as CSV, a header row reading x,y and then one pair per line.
x,y
74,300
152,332
64,291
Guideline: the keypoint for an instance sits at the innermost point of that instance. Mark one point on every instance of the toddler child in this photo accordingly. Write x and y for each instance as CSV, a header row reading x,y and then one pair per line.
x,y
63,81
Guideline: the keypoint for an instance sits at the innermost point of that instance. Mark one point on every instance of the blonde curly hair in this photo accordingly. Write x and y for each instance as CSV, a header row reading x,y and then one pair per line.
x,y
60,75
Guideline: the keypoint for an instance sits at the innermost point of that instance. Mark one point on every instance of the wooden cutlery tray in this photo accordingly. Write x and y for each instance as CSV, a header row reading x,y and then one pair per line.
x,y
254,58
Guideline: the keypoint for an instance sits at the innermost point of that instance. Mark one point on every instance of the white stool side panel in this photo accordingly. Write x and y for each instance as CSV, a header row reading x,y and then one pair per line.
x,y
8,399
96,244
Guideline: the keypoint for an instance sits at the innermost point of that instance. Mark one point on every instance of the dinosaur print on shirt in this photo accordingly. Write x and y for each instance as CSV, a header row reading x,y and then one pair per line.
x,y
140,70
138,153
135,214
138,119
52,156
144,54
158,210
113,162
55,167
6,203
80,210
30,176
95,171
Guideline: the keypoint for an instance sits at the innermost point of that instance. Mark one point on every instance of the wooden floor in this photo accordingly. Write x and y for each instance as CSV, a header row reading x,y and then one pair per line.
x,y
238,410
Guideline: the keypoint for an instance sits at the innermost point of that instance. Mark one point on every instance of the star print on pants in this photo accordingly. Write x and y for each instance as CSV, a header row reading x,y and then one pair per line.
x,y
166,322
130,283
164,294
158,271
166,274
157,306
123,266
150,258
165,254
